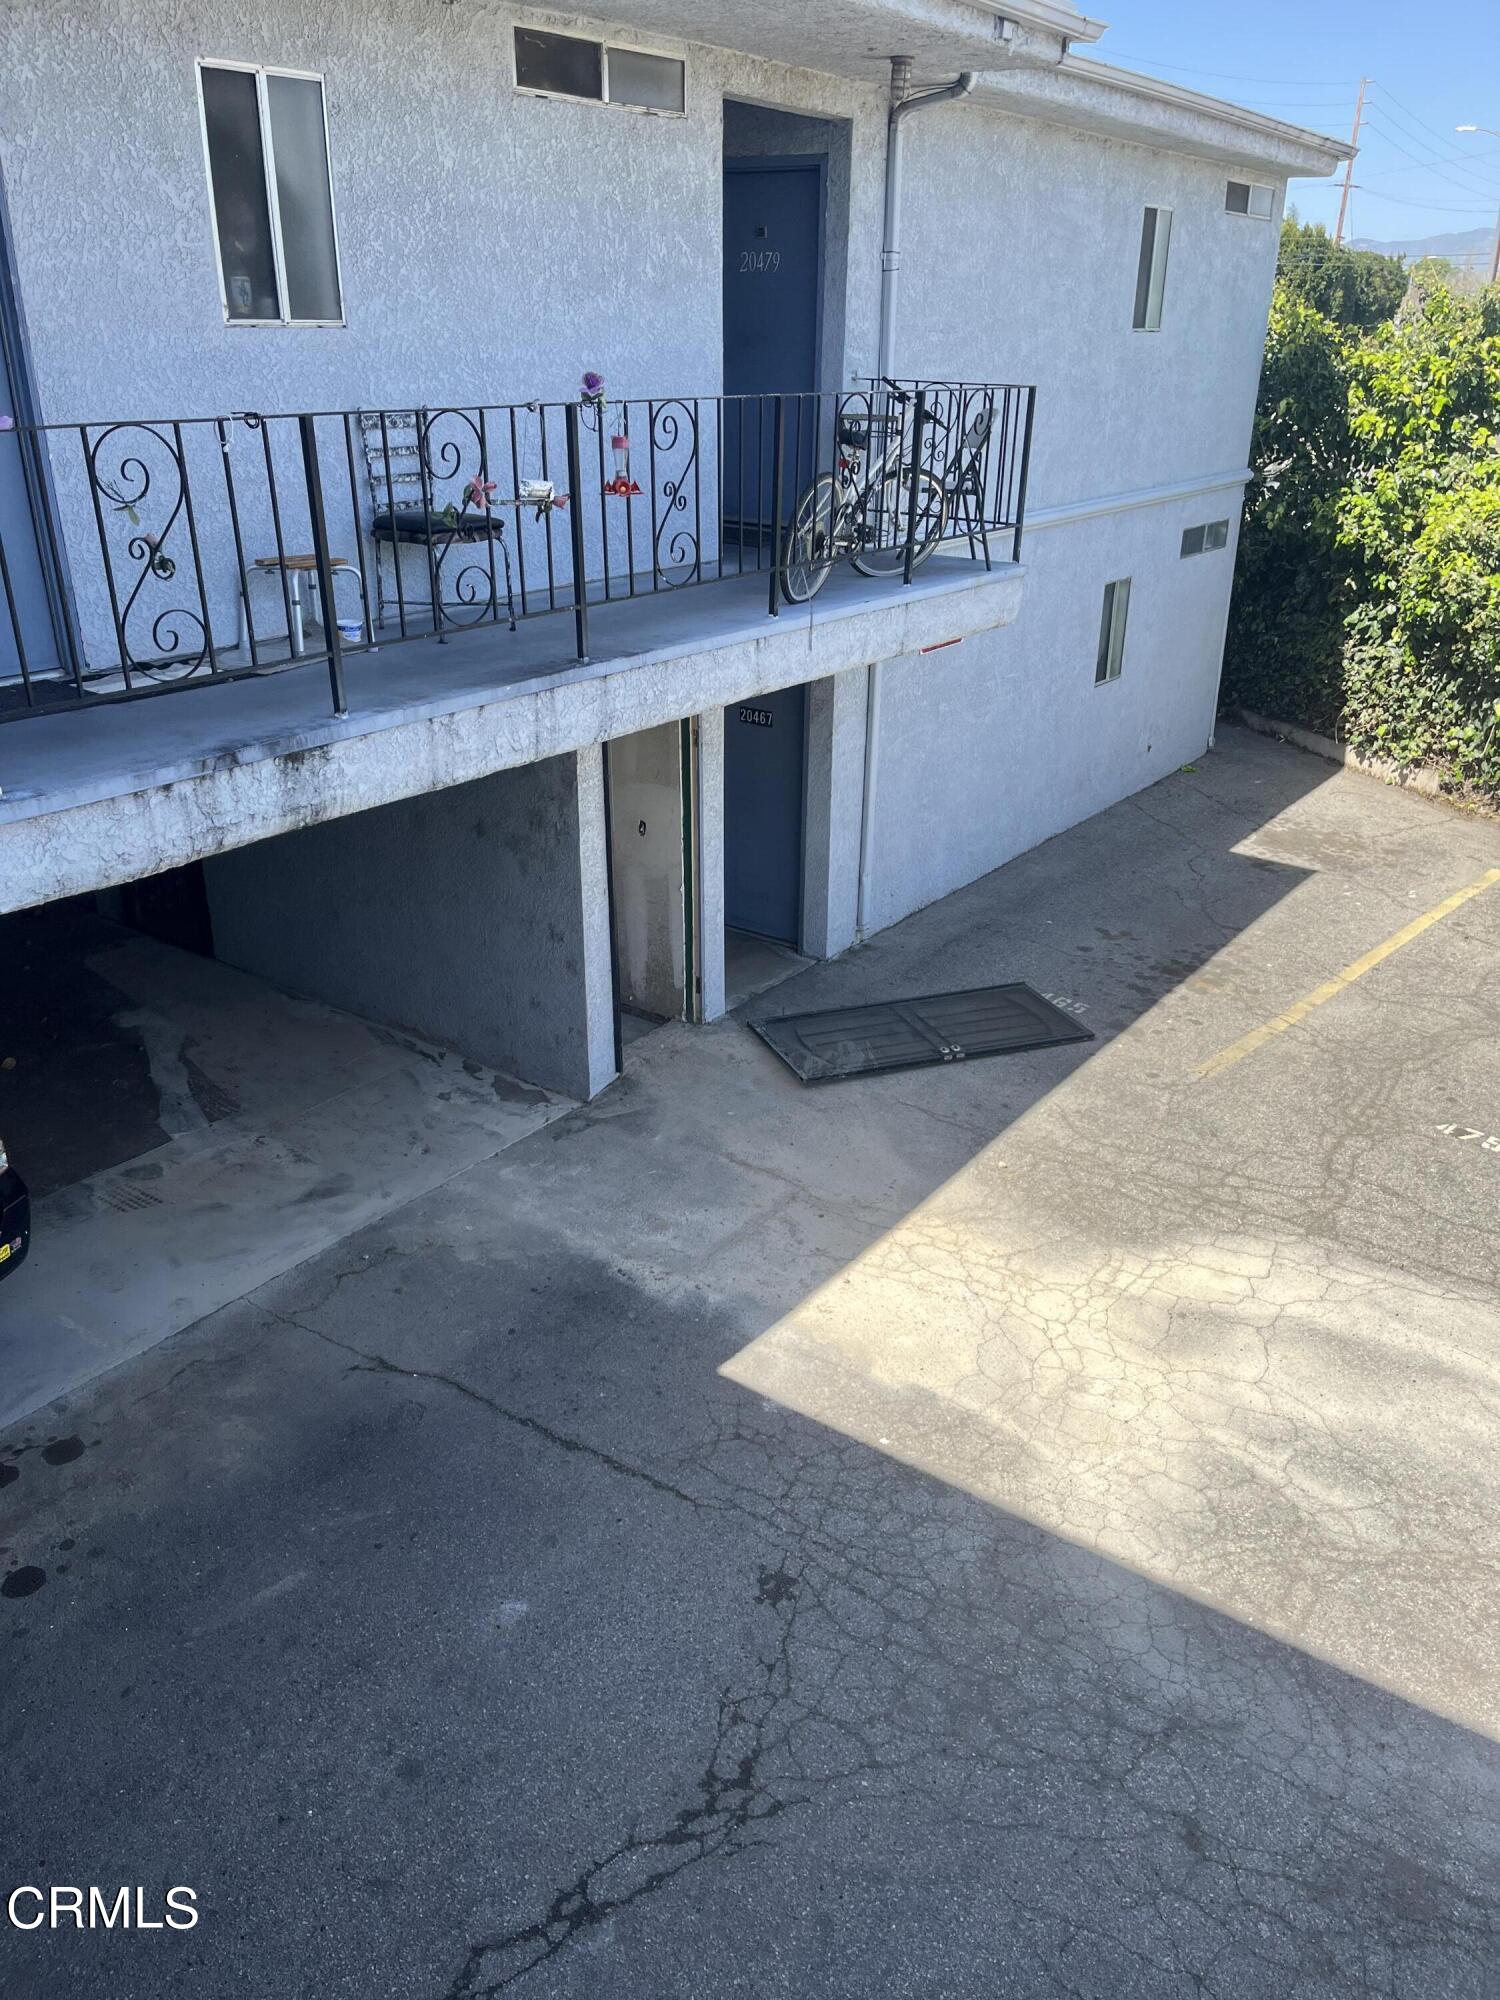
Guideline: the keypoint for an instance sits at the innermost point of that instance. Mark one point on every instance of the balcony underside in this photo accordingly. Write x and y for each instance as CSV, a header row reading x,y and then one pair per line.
x,y
94,797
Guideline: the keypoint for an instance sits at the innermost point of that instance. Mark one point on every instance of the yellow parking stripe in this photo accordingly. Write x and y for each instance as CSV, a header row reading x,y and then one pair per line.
x,y
1332,988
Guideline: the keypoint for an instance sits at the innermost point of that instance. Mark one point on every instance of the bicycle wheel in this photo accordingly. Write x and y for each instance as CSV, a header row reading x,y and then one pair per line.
x,y
881,547
809,550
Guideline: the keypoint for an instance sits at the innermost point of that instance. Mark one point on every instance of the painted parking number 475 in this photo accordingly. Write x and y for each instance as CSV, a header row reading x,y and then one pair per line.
x,y
1488,1142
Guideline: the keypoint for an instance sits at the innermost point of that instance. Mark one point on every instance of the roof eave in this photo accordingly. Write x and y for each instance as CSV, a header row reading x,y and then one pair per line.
x,y
1097,96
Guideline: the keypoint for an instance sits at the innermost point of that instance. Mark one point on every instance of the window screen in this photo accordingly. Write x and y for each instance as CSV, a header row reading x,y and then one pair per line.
x,y
291,272
653,82
1205,538
237,178
562,63
1249,198
1151,274
1112,631
304,198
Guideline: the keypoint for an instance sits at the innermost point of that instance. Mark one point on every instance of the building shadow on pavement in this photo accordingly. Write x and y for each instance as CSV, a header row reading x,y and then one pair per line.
x,y
941,1534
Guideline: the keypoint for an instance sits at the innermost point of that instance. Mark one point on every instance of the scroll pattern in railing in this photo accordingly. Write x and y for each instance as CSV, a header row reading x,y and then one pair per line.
x,y
136,557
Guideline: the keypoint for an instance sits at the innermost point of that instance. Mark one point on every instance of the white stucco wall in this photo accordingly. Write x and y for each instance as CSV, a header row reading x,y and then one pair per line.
x,y
494,244
1009,730
1021,249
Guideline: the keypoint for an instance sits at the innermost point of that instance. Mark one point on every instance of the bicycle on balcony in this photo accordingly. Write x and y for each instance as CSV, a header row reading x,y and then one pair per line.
x,y
880,506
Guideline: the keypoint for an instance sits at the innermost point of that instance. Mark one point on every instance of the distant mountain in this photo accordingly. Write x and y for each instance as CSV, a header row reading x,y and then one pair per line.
x,y
1463,246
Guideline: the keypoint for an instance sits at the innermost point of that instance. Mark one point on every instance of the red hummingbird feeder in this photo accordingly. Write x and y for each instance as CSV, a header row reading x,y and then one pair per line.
x,y
622,486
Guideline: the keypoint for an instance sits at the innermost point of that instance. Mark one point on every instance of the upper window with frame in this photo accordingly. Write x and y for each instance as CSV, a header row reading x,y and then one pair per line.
x,y
265,136
1151,272
1249,198
549,65
1205,538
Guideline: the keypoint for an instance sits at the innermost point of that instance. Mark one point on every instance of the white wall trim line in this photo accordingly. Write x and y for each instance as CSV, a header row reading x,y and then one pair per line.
x,y
1144,496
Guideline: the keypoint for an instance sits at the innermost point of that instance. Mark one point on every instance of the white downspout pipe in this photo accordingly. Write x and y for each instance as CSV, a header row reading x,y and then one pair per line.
x,y
903,104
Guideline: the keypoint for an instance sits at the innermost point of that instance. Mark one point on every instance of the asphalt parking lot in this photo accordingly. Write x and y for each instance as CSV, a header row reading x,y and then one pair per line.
x,y
1024,1527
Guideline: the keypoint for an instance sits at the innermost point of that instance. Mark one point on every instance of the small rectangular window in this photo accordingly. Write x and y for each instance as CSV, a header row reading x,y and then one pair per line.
x,y
568,66
266,137
651,83
563,64
1112,631
1249,198
1205,538
1151,273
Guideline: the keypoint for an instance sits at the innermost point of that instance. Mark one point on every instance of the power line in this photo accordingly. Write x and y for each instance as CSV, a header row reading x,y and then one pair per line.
x,y
1227,76
1386,173
1443,139
1405,201
1441,162
1428,167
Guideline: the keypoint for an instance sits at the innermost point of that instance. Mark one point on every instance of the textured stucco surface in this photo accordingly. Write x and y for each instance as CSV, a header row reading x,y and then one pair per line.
x,y
1010,728
459,915
493,244
1022,242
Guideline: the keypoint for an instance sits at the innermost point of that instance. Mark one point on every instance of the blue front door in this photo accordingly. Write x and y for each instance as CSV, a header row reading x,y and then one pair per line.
x,y
763,763
773,246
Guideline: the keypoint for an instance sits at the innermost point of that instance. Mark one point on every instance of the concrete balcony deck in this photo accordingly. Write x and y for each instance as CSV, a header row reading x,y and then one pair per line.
x,y
98,796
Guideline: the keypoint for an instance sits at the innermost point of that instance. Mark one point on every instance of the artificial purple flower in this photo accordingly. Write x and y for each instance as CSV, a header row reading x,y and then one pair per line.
x,y
593,384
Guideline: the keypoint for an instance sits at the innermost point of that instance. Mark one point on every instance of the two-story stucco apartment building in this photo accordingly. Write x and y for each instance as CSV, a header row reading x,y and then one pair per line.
x,y
299,302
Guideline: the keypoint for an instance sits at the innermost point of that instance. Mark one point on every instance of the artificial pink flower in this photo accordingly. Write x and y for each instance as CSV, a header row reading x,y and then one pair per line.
x,y
477,492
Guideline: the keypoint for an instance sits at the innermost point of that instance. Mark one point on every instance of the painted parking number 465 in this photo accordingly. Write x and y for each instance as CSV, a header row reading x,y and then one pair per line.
x,y
1489,1142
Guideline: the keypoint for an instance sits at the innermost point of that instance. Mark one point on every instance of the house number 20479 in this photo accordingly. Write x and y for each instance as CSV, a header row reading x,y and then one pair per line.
x,y
760,260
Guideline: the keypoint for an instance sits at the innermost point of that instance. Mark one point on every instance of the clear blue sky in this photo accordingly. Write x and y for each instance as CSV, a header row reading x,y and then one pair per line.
x,y
1434,66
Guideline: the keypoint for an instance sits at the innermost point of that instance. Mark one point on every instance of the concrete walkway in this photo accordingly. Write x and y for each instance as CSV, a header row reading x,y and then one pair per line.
x,y
1021,1528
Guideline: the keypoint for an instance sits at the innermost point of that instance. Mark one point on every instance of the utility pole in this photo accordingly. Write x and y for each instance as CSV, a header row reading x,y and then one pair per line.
x,y
1494,133
1359,119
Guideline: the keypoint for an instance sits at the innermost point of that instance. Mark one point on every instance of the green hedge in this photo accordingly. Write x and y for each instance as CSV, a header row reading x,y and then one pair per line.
x,y
1367,597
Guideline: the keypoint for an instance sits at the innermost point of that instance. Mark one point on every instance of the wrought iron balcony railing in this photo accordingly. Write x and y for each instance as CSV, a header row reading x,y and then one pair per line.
x,y
138,558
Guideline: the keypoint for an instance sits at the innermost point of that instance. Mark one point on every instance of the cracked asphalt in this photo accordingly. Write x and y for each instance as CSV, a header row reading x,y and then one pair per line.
x,y
1021,1528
